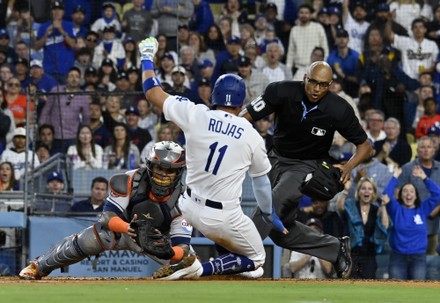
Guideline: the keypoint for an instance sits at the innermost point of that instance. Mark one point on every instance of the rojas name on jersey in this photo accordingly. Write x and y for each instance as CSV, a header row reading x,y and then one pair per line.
x,y
227,129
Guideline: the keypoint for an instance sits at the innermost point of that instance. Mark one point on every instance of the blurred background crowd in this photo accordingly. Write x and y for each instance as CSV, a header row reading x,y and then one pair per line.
x,y
70,84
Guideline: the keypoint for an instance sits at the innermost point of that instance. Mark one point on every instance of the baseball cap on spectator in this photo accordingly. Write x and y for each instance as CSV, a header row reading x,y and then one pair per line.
x,y
129,40
342,33
271,5
109,29
107,61
345,156
322,11
36,63
361,4
185,26
108,4
57,4
21,61
4,33
234,39
167,55
178,69
206,63
122,75
91,71
55,175
382,7
244,61
434,129
204,82
333,10
133,69
79,8
316,222
19,132
132,110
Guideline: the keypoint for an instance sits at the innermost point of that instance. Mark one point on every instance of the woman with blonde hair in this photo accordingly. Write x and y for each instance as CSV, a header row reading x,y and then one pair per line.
x,y
367,222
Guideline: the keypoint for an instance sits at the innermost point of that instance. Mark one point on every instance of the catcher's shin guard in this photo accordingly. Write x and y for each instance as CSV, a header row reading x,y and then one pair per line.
x,y
71,249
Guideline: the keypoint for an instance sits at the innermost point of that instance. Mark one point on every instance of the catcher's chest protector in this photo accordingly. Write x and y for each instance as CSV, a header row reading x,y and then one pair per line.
x,y
141,204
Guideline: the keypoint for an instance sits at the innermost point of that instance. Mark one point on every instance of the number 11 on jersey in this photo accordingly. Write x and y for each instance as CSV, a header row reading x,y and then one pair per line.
x,y
212,150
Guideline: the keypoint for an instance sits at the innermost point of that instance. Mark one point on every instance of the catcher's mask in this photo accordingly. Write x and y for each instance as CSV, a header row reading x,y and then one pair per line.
x,y
165,166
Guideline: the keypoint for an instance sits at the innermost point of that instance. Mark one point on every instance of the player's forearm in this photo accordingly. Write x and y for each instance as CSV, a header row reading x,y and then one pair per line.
x,y
263,193
155,95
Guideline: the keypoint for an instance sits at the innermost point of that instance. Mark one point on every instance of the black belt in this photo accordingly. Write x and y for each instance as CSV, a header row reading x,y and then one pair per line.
x,y
209,203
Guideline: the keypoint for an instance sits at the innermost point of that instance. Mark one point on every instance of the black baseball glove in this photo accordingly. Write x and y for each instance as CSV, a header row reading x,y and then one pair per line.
x,y
323,183
151,240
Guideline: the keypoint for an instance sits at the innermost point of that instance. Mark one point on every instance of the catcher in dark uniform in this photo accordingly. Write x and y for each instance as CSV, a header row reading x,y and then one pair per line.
x,y
307,115
140,214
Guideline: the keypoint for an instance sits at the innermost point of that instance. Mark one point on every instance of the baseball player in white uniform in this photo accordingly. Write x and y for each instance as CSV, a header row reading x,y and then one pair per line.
x,y
220,149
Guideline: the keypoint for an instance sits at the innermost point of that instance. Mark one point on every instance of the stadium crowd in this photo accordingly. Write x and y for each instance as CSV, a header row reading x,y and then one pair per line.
x,y
76,64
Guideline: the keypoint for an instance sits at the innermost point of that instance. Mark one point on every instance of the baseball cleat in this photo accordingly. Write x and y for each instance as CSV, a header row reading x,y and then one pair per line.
x,y
343,264
255,274
30,272
187,268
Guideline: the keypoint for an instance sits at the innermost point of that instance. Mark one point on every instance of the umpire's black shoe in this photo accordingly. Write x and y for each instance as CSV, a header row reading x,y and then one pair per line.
x,y
343,264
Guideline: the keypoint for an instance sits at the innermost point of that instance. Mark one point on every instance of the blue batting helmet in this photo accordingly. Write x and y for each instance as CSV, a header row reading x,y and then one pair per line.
x,y
229,90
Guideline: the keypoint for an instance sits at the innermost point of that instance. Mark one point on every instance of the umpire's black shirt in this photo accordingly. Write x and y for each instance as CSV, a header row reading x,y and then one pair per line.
x,y
303,131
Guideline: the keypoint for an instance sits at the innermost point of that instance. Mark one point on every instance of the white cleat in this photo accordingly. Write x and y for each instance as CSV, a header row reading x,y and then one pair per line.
x,y
189,268
255,274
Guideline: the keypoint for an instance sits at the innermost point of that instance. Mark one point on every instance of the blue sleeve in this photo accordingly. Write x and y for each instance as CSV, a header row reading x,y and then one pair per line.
x,y
433,199
205,17
108,206
42,30
389,190
290,12
263,193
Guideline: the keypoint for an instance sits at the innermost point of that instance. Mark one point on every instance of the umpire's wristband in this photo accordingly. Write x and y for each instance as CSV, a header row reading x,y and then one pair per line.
x,y
150,83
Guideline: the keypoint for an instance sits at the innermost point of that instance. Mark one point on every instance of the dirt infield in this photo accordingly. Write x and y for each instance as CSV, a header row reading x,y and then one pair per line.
x,y
88,280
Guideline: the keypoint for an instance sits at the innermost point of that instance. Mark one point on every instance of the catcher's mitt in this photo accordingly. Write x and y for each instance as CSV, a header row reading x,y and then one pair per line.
x,y
151,240
323,183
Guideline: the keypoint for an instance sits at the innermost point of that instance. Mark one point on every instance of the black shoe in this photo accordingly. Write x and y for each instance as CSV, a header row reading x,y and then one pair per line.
x,y
343,264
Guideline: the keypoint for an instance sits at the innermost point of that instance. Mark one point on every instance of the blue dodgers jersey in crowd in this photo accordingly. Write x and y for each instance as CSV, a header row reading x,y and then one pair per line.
x,y
58,55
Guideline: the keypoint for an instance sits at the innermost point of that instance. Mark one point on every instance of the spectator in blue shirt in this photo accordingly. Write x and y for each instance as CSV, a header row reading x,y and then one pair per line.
x,y
57,39
409,213
343,60
38,77
227,60
202,18
95,202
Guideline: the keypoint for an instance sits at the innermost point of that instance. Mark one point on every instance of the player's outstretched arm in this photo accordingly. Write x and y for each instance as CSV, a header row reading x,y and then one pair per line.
x,y
263,195
150,83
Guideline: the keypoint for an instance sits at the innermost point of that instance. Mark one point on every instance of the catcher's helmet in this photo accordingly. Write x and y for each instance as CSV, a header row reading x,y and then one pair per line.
x,y
229,90
165,166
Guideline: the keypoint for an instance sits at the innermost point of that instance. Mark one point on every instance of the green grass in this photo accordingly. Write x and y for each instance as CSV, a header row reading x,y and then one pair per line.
x,y
217,292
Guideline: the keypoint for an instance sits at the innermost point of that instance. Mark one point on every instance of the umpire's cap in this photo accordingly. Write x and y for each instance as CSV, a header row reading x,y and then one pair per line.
x,y
229,90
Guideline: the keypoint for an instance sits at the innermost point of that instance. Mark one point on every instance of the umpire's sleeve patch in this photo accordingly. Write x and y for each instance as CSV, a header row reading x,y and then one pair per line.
x,y
120,185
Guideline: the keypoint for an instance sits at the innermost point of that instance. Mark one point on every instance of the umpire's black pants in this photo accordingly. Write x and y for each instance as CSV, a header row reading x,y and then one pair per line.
x,y
286,177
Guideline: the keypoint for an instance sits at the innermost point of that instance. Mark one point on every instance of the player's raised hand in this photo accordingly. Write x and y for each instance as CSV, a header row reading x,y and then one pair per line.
x,y
148,48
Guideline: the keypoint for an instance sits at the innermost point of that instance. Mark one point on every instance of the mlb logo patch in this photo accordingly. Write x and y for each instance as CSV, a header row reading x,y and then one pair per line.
x,y
318,131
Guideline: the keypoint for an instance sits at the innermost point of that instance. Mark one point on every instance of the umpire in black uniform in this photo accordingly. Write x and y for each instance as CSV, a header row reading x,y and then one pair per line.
x,y
306,118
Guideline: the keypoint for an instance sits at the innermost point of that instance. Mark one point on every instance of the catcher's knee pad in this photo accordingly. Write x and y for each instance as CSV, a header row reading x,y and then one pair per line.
x,y
95,239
